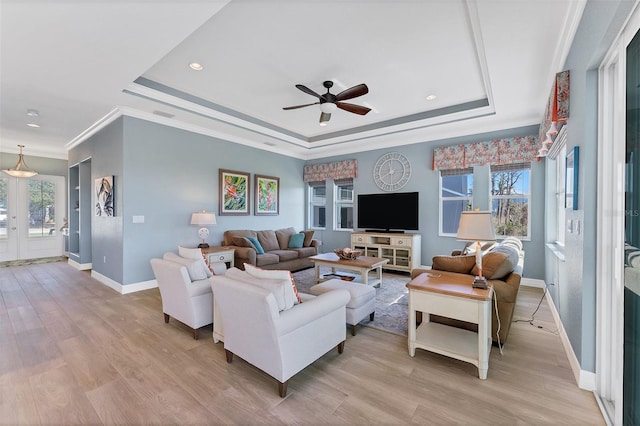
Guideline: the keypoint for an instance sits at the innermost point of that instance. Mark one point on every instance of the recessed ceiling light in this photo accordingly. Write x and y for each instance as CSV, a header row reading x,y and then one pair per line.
x,y
196,66
431,97
33,125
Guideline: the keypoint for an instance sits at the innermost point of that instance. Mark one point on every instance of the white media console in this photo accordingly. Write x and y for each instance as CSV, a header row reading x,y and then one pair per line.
x,y
402,250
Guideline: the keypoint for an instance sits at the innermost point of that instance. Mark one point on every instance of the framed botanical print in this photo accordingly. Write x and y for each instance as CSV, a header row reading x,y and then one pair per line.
x,y
267,195
234,192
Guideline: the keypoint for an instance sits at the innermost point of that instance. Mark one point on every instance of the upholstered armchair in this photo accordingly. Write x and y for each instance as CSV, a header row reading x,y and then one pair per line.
x,y
280,343
190,302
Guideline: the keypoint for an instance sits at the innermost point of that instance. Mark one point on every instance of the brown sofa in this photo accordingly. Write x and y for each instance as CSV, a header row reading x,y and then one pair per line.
x,y
277,254
502,271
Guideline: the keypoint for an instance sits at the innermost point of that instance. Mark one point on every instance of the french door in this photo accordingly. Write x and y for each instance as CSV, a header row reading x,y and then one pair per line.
x,y
31,217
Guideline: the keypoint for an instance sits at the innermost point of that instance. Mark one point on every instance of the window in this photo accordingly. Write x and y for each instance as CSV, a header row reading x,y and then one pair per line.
x,y
317,204
343,202
42,211
456,196
561,165
510,189
3,207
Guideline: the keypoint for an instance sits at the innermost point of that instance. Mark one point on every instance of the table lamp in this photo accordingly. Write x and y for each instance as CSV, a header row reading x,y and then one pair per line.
x,y
202,219
476,226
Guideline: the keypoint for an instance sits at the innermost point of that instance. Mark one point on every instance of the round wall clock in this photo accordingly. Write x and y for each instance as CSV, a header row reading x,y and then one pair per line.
x,y
392,171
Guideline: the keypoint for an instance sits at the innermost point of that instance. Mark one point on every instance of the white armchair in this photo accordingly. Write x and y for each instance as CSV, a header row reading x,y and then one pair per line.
x,y
279,343
189,302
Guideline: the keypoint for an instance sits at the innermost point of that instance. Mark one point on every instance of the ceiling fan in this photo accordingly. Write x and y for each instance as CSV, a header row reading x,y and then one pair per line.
x,y
329,102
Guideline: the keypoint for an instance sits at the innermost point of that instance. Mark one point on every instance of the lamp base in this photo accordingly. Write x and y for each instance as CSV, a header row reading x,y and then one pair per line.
x,y
203,245
480,282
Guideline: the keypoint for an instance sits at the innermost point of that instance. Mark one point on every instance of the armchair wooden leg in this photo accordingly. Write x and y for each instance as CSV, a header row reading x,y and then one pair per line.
x,y
353,329
196,333
341,347
282,388
372,315
229,355
166,318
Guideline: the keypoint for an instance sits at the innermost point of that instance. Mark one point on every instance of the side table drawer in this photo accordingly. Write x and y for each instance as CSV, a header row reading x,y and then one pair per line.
x,y
221,256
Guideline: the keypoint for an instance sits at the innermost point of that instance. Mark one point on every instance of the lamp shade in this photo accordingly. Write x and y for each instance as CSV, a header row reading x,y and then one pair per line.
x,y
203,218
476,226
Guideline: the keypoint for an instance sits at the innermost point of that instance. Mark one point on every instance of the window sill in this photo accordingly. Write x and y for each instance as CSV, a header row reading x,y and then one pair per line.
x,y
557,250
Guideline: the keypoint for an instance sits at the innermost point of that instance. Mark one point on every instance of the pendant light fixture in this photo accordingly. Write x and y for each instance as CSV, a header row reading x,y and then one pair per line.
x,y
20,169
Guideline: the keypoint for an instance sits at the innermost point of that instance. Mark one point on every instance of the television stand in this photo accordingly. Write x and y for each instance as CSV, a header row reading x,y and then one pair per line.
x,y
402,249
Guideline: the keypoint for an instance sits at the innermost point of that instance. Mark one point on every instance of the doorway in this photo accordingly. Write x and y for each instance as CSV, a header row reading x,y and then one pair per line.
x,y
31,217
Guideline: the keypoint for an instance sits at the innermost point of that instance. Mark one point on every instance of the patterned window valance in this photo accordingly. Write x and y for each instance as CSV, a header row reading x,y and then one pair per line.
x,y
496,152
557,110
337,170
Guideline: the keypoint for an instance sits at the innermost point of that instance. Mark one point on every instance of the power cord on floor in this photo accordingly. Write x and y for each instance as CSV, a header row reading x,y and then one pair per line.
x,y
533,315
495,300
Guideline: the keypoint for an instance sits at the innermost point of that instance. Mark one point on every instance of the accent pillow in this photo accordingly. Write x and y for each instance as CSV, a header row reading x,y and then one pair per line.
x,y
195,267
308,237
296,241
278,287
499,262
283,235
255,244
196,253
276,275
268,240
241,242
459,264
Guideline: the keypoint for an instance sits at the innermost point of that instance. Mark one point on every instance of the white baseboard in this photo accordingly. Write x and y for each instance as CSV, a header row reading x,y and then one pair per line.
x,y
79,266
532,282
124,289
585,379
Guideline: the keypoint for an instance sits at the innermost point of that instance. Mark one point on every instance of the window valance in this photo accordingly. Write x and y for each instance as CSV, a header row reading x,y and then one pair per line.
x,y
496,152
344,169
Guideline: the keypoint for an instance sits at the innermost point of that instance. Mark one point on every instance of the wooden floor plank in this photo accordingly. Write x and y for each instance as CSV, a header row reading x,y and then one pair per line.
x,y
75,351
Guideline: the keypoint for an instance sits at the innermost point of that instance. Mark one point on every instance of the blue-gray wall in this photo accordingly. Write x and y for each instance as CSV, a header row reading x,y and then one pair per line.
x,y
576,298
43,165
426,181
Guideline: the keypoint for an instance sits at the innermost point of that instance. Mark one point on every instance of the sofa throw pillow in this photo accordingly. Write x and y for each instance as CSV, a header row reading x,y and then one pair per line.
x,y
196,253
499,262
283,236
268,240
195,267
241,242
276,274
296,240
308,237
459,264
278,288
255,244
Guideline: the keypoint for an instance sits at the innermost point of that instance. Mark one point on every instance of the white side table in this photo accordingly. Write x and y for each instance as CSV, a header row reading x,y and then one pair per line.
x,y
452,296
220,254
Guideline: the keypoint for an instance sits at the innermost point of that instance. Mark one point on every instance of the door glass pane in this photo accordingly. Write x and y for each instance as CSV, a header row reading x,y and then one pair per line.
x,y
42,212
3,207
631,366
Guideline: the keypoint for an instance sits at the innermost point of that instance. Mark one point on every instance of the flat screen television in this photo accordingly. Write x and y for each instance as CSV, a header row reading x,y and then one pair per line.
x,y
394,211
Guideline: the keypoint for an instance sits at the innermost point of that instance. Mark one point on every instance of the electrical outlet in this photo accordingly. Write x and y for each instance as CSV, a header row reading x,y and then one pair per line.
x,y
104,259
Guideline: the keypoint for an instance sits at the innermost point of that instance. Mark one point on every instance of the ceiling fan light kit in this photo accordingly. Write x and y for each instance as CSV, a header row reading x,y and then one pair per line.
x,y
330,102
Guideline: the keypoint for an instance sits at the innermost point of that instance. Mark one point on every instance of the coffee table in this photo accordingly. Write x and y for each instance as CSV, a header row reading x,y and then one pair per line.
x,y
362,265
451,295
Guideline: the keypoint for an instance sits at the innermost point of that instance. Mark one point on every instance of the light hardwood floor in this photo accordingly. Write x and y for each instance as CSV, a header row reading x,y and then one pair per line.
x,y
73,351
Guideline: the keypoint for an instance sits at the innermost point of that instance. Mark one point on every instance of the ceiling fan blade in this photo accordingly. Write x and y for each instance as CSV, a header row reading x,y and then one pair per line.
x,y
356,109
353,92
324,117
308,91
300,106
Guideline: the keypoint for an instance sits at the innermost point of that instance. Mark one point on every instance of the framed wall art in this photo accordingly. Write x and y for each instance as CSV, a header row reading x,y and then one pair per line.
x,y
267,195
571,180
234,192
105,205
